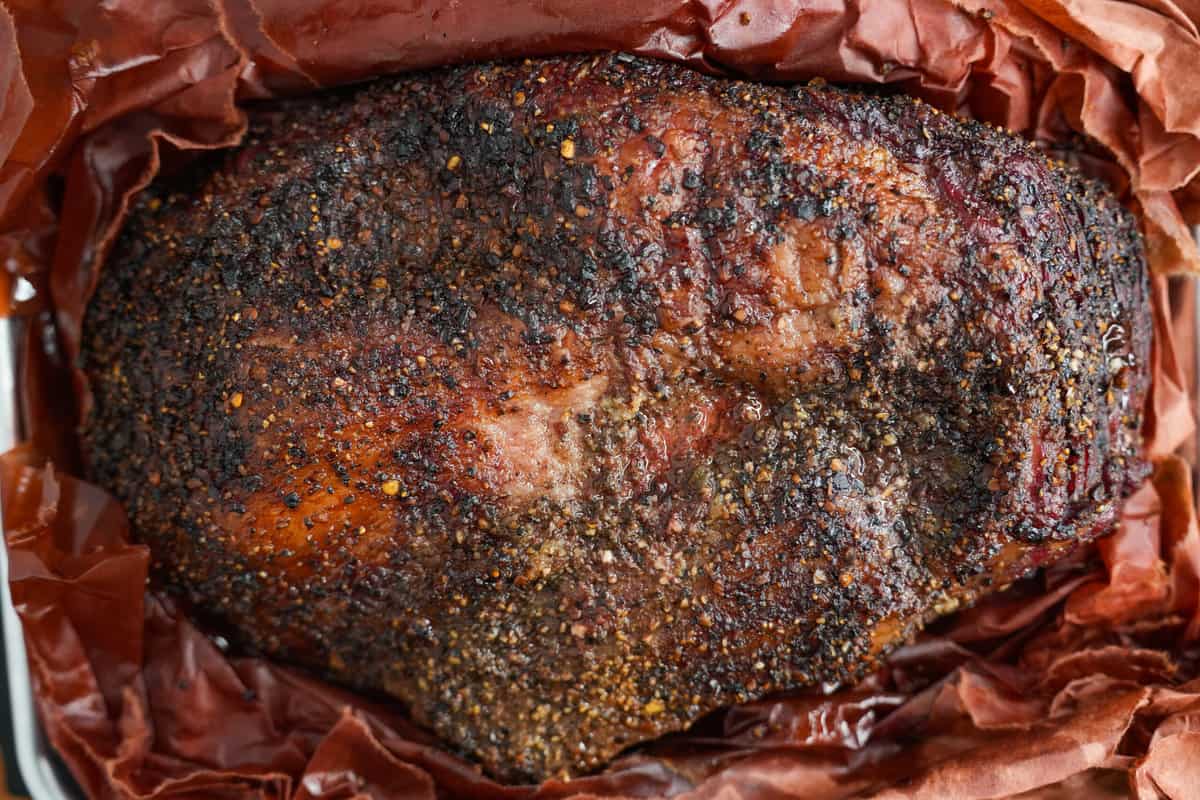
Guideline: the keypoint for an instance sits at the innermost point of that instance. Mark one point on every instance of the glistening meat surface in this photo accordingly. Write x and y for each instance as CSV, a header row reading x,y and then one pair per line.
x,y
570,400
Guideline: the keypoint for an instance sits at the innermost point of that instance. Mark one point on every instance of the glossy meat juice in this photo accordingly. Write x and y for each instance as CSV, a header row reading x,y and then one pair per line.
x,y
570,400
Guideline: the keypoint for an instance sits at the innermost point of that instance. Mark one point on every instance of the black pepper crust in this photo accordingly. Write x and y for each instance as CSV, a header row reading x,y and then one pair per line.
x,y
569,400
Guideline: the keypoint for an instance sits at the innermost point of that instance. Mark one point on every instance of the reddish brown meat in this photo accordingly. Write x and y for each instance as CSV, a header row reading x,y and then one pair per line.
x,y
568,401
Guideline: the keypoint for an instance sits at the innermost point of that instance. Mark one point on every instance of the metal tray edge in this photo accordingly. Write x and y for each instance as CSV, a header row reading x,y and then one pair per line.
x,y
40,769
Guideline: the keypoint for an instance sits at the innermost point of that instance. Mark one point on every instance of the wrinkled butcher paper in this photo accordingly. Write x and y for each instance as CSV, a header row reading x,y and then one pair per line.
x,y
1082,681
